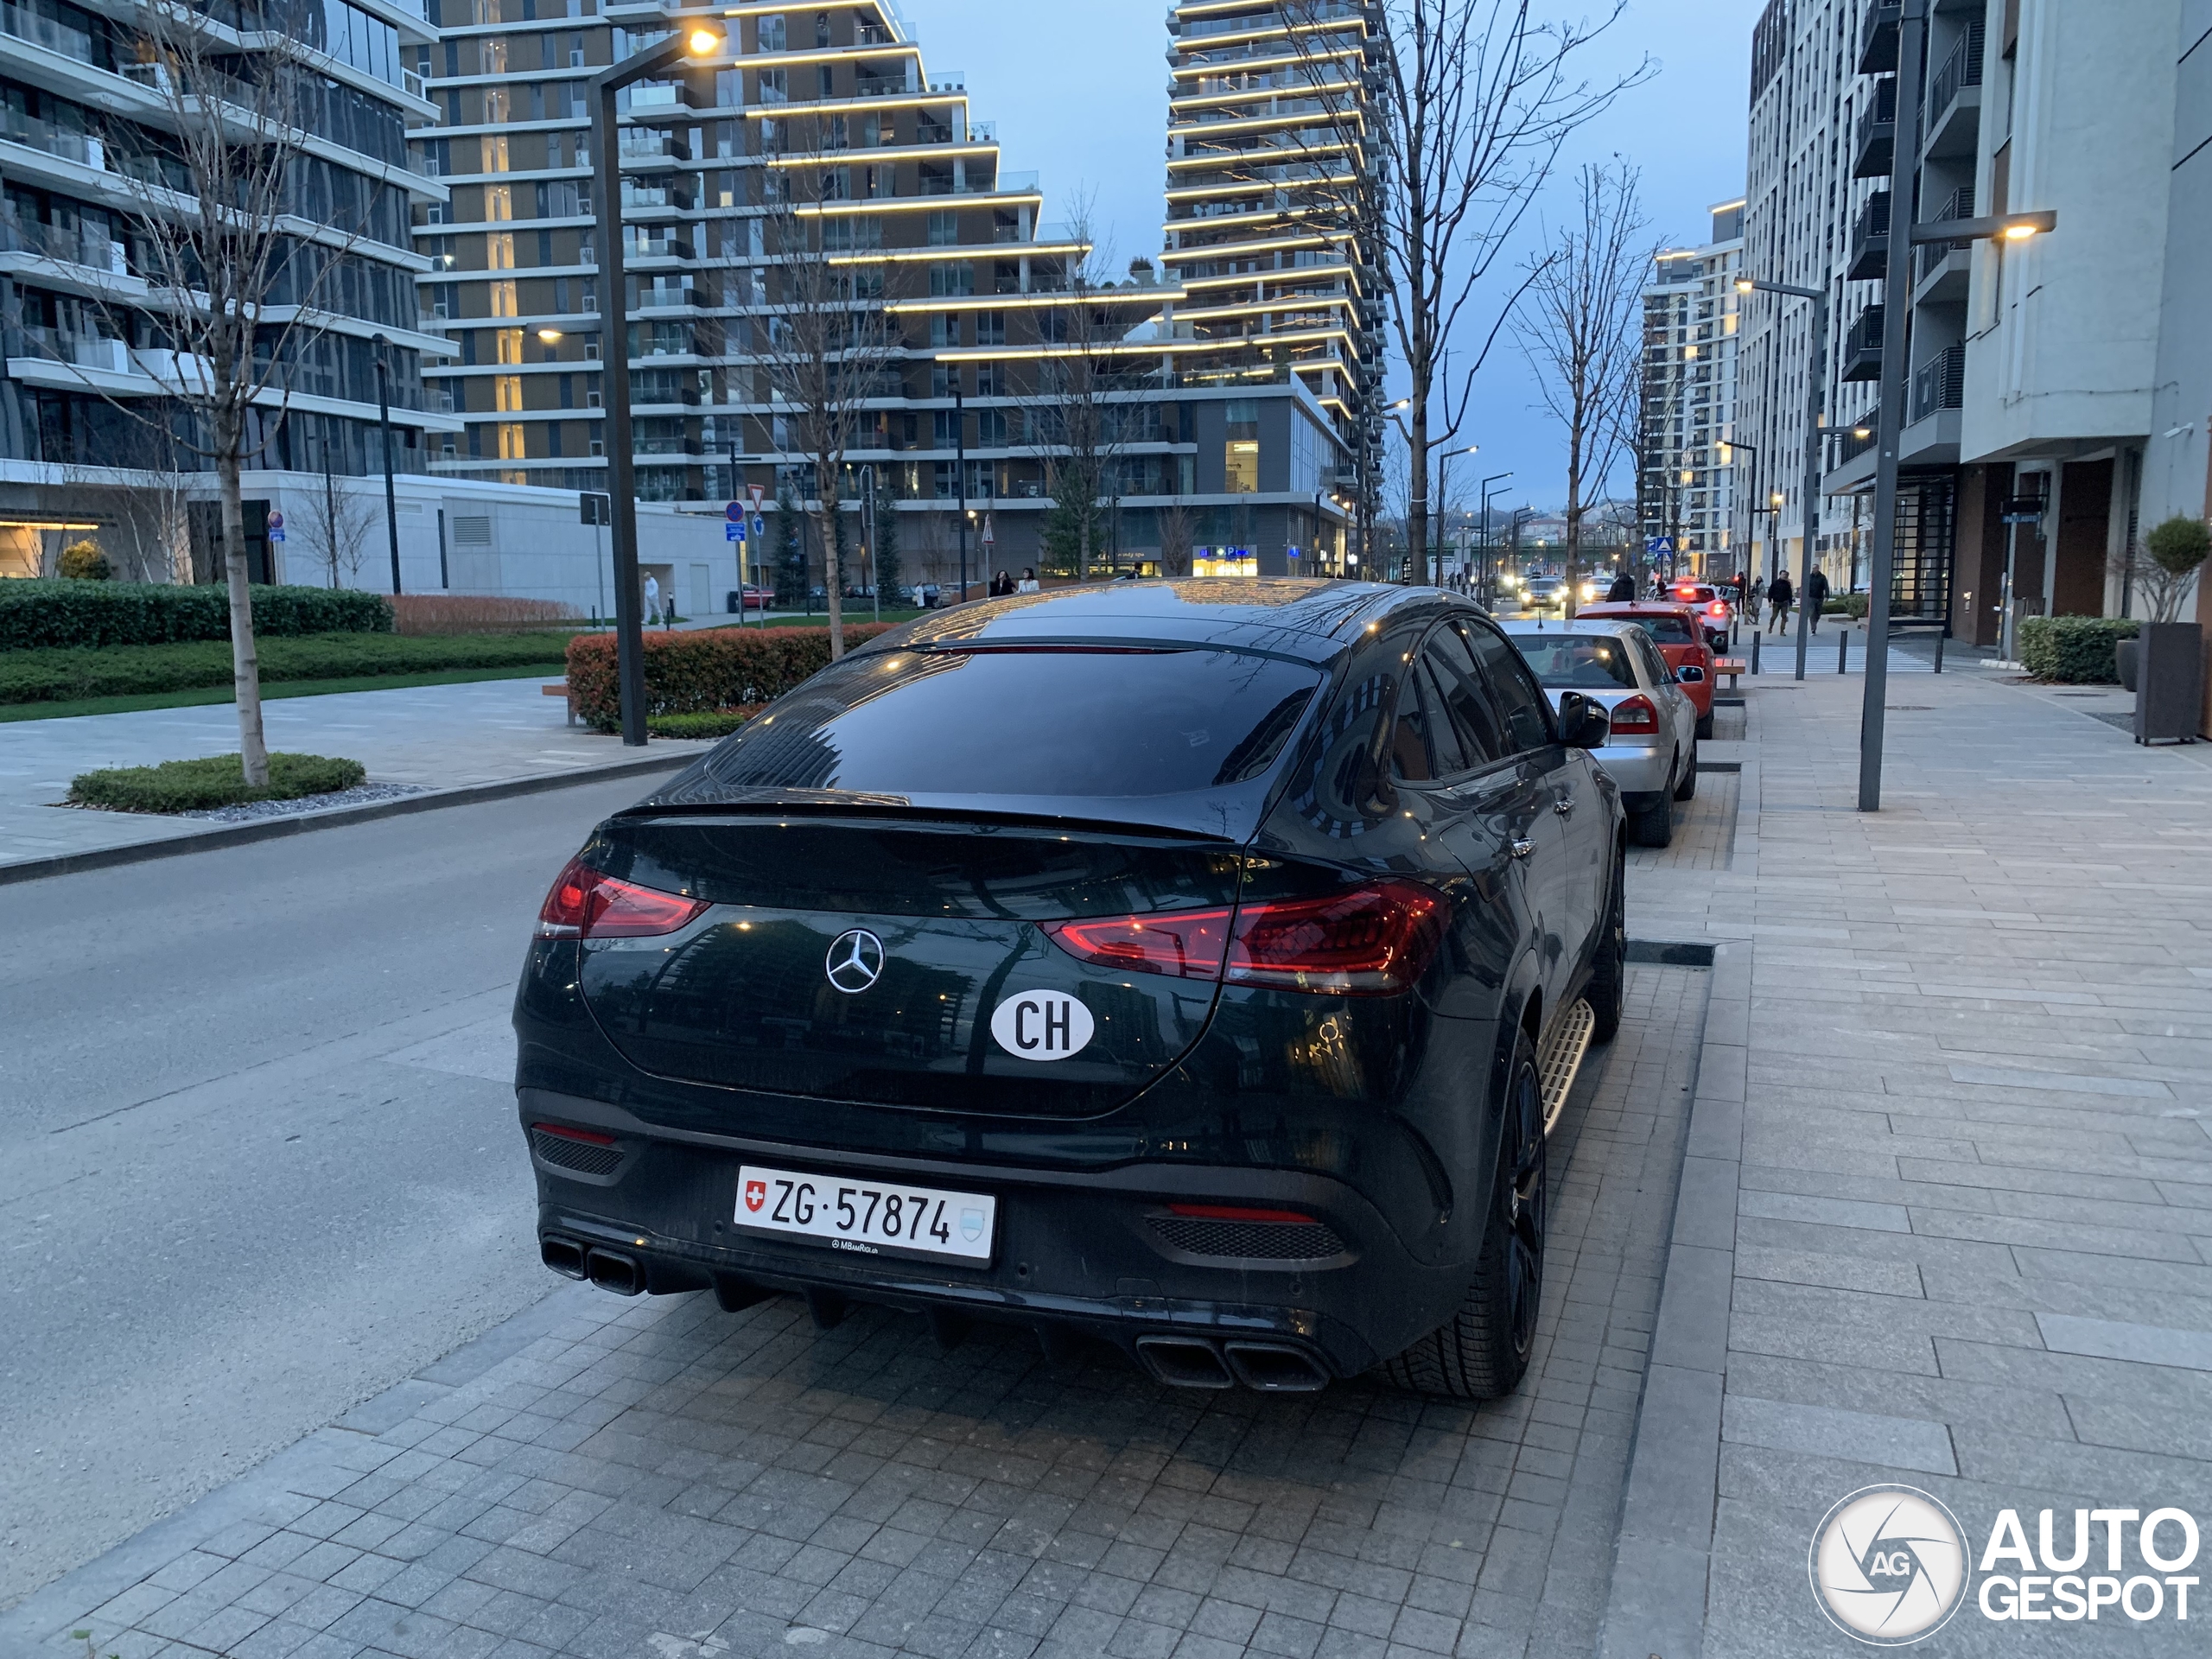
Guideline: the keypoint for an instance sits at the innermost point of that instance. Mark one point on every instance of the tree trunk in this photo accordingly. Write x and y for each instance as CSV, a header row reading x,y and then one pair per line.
x,y
1417,490
246,665
1575,444
833,585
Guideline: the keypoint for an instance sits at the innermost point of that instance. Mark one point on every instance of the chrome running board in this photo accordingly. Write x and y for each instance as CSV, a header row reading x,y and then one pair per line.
x,y
1563,1060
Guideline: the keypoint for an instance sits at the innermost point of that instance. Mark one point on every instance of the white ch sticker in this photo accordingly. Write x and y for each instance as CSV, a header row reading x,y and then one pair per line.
x,y
1041,1025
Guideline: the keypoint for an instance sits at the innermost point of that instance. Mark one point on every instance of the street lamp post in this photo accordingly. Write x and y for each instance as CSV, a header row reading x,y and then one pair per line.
x,y
694,41
1752,449
1815,407
384,425
1444,500
1490,552
1896,297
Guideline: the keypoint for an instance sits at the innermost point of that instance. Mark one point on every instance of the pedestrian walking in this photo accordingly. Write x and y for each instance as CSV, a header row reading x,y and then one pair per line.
x,y
1001,585
1623,591
1780,596
1029,584
1816,595
652,599
1754,600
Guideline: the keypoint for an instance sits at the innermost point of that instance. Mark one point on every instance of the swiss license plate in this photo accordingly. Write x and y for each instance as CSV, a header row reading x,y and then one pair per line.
x,y
866,1216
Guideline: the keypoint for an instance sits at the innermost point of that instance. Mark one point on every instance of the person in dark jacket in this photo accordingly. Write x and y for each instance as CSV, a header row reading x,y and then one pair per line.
x,y
1623,590
1816,595
1780,596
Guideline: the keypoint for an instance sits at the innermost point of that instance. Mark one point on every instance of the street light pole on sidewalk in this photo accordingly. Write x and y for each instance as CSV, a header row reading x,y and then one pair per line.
x,y
698,40
384,425
1815,405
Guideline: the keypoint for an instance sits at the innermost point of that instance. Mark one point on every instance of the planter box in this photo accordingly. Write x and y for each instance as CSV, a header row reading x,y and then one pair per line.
x,y
2168,683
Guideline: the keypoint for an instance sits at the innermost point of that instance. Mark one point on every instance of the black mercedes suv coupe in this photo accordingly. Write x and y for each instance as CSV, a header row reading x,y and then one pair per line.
x,y
1177,962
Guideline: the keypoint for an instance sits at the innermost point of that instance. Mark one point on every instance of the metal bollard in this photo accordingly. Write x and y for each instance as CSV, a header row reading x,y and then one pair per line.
x,y
1843,650
1940,633
1755,650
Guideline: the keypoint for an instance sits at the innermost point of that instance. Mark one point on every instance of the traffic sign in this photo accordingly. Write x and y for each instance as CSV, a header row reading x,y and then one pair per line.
x,y
1659,544
276,526
734,513
990,539
595,507
758,494
734,533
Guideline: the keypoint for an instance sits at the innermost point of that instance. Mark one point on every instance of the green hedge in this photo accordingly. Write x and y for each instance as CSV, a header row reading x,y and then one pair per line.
x,y
36,615
702,672
720,723
215,781
2073,650
136,671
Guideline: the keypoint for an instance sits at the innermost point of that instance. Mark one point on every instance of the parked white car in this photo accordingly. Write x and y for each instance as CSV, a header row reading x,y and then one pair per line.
x,y
1652,752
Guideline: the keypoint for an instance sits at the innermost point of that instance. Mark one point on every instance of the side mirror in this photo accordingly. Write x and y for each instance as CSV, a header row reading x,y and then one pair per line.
x,y
1584,722
1690,675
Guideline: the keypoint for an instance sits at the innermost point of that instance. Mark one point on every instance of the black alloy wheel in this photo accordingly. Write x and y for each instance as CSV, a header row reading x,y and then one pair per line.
x,y
1686,786
1482,1351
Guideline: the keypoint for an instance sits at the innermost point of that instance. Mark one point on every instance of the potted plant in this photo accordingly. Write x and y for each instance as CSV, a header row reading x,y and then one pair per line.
x,y
2169,656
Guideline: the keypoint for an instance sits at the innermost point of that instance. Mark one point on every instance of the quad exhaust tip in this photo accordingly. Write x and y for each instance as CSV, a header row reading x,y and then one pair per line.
x,y
564,1256
612,1270
1263,1367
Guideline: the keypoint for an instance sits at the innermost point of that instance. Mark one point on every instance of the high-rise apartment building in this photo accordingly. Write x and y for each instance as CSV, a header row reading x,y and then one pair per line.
x,y
87,102
1271,164
1691,476
2034,373
1236,399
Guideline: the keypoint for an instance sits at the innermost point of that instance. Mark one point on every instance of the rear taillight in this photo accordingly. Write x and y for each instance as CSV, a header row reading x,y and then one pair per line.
x,y
1190,944
1636,714
1719,609
1367,941
587,904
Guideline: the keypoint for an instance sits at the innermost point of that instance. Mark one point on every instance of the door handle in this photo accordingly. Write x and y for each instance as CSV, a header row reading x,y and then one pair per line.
x,y
1564,806
1524,848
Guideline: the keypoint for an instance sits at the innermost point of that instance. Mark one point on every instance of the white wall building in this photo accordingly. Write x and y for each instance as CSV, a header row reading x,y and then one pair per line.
x,y
1693,482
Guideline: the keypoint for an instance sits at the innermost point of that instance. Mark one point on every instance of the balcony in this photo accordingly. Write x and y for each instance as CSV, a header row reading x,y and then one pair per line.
x,y
25,24
1940,270
1952,124
1940,384
1877,40
1874,154
1870,240
89,248
1862,347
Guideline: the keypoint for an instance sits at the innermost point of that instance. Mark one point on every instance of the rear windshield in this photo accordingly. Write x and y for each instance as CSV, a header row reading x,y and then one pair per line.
x,y
1666,630
1578,662
1103,725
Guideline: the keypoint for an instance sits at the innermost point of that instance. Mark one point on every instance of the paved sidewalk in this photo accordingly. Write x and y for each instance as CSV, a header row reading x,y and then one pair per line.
x,y
659,1480
433,736
1947,1212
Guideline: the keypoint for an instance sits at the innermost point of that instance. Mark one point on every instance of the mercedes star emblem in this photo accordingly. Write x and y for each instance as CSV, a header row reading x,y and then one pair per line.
x,y
855,962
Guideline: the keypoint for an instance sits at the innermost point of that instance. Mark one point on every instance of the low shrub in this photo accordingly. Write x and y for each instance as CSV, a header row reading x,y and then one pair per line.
x,y
215,781
41,615
139,670
701,673
435,614
84,562
718,723
2073,650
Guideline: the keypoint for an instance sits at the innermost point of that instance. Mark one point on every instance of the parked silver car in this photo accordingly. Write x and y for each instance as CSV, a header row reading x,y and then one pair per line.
x,y
1652,753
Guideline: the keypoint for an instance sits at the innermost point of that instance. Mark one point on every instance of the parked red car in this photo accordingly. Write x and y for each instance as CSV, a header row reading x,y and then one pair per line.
x,y
1679,630
1711,604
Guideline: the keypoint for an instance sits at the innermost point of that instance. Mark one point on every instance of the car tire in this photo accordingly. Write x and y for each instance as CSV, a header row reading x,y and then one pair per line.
x,y
1705,726
1653,825
1606,992
1686,786
1482,1351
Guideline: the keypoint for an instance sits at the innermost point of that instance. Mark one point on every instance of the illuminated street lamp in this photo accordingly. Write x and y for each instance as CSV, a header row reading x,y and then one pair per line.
x,y
699,41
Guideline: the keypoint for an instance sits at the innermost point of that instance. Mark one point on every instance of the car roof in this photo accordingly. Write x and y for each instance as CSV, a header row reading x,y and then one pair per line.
x,y
1637,607
1312,620
1538,625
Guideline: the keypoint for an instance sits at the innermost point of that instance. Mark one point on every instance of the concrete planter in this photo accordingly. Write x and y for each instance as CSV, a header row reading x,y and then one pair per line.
x,y
2168,683
2124,654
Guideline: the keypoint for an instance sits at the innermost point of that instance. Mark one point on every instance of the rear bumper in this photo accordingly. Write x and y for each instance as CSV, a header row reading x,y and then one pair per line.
x,y
1636,768
1077,1252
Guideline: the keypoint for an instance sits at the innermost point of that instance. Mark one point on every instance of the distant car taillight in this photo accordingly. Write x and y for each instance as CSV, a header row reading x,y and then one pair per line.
x,y
587,904
1369,941
1636,714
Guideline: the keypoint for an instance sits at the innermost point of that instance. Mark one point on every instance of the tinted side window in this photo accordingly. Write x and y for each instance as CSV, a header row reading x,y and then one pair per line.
x,y
1527,715
1655,666
1475,716
1443,745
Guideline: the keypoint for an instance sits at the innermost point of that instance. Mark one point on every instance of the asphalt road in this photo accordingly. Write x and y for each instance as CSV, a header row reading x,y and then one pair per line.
x,y
258,1158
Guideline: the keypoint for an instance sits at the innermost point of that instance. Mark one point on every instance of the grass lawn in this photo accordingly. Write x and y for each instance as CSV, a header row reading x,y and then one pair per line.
x,y
270,692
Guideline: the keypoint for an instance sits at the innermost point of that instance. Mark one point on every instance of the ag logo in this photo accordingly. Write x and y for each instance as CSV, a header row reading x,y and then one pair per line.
x,y
1041,1025
1889,1566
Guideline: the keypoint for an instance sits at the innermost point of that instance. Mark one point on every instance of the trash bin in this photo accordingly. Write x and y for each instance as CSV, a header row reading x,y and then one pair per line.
x,y
736,602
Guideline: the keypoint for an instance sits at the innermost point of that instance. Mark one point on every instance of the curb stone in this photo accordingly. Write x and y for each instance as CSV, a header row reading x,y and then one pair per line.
x,y
239,834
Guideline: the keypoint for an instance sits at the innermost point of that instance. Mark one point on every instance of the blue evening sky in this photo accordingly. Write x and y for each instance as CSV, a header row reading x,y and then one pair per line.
x,y
1079,89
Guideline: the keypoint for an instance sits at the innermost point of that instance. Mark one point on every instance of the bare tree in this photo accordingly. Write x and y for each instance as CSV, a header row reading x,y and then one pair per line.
x,y
1477,99
1177,534
831,342
239,230
1580,323
336,526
